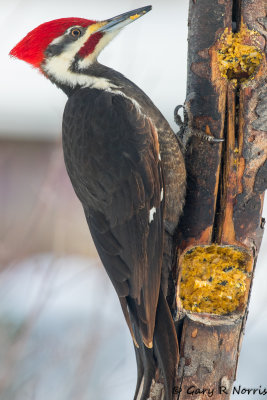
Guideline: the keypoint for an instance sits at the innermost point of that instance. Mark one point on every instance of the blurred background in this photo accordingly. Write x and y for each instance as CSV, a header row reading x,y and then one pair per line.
x,y
62,333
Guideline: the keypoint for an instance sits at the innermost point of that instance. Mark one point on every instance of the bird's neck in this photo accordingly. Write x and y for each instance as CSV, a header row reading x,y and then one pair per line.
x,y
101,77
96,76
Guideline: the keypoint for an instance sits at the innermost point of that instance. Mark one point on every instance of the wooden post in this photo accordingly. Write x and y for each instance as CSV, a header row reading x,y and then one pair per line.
x,y
226,97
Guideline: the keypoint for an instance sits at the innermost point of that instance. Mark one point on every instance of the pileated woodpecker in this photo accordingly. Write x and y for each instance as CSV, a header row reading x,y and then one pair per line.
x,y
127,169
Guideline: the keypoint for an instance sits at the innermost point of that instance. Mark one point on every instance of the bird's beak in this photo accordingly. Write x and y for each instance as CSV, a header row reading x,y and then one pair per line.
x,y
122,20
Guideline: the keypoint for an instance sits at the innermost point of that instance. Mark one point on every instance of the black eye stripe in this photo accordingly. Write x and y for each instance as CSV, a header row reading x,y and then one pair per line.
x,y
58,45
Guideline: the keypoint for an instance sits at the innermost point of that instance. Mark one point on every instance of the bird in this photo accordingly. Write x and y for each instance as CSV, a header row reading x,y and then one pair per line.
x,y
127,168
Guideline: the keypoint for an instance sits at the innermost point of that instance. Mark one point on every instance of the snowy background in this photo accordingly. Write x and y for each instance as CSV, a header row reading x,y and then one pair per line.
x,y
62,333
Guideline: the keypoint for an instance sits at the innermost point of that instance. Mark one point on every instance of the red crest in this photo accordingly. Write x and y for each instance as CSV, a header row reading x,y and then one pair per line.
x,y
32,47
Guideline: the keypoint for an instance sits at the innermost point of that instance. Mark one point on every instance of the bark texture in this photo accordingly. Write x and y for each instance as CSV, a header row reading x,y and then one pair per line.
x,y
226,182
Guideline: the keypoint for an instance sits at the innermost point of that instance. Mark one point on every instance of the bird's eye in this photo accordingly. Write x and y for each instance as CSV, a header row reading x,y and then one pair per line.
x,y
75,32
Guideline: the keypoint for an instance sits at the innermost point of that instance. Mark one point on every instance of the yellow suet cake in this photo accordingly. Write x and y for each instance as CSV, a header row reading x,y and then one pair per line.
x,y
238,60
214,279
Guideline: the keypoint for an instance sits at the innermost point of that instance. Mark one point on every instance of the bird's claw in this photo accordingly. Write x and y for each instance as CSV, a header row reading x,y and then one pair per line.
x,y
207,137
177,117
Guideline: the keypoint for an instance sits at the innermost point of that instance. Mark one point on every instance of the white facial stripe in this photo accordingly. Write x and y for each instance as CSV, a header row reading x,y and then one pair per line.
x,y
59,66
62,37
58,39
66,33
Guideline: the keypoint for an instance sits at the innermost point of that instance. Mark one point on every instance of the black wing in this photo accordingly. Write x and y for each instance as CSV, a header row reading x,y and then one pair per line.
x,y
112,156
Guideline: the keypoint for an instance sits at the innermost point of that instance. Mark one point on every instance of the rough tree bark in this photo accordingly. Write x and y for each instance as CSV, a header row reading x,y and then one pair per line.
x,y
226,181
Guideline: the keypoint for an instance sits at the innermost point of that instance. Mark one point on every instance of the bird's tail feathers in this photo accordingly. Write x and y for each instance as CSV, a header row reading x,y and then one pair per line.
x,y
126,314
146,368
166,345
164,354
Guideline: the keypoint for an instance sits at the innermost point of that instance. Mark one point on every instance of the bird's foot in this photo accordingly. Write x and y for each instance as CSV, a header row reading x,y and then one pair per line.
x,y
186,130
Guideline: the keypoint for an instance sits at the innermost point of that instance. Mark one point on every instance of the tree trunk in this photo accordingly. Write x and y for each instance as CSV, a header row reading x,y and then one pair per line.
x,y
226,91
